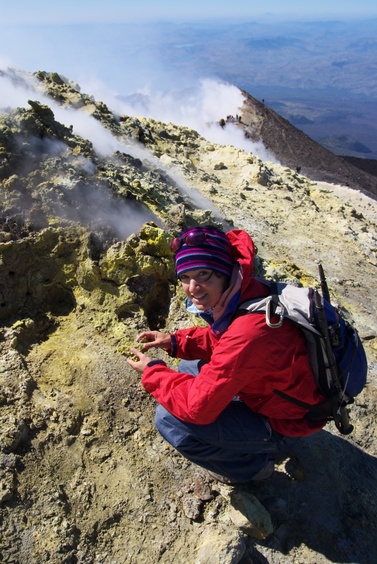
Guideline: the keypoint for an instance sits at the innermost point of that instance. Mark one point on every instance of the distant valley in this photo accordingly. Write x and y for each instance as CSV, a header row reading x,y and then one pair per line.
x,y
319,75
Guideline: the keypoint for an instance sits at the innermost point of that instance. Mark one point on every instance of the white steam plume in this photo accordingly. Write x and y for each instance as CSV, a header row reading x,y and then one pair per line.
x,y
199,108
16,94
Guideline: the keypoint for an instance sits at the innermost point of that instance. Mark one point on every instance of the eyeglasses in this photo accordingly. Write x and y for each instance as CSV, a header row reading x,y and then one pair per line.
x,y
192,239
201,276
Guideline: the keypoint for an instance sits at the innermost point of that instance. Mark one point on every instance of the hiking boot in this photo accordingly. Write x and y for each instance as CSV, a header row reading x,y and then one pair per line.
x,y
220,478
263,474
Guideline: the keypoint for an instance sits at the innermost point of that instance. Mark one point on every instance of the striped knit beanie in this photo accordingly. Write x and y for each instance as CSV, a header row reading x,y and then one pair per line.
x,y
203,247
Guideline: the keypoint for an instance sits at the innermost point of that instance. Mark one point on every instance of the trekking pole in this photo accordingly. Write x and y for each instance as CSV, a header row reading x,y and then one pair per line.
x,y
340,413
324,286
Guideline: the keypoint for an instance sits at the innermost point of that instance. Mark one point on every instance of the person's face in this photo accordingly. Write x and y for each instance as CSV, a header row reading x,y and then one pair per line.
x,y
203,287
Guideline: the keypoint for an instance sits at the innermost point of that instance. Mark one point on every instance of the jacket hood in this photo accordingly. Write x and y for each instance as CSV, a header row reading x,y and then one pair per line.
x,y
243,251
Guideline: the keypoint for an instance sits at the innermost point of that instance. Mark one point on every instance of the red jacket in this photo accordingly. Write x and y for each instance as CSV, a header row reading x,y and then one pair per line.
x,y
248,359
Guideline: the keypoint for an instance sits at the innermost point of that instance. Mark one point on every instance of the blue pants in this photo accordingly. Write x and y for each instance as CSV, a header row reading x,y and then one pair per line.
x,y
237,445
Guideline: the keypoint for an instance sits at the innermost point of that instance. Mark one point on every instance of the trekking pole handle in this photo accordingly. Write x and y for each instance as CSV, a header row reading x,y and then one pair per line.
x,y
344,426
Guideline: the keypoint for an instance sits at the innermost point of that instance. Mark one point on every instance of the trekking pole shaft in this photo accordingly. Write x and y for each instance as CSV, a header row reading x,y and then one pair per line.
x,y
322,321
324,286
340,413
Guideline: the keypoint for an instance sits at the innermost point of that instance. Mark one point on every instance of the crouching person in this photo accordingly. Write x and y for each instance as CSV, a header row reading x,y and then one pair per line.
x,y
220,409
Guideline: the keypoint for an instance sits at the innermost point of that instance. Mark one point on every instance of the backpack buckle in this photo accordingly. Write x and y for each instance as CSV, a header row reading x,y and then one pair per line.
x,y
274,308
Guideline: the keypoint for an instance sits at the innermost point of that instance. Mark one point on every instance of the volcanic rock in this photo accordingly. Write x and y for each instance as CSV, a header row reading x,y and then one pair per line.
x,y
86,265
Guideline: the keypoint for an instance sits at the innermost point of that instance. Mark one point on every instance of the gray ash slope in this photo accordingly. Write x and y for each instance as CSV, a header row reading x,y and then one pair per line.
x,y
295,149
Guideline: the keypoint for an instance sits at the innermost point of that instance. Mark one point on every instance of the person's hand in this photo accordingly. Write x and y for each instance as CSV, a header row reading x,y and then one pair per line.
x,y
151,339
139,364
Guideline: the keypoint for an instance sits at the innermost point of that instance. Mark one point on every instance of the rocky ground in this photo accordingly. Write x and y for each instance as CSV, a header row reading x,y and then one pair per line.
x,y
84,476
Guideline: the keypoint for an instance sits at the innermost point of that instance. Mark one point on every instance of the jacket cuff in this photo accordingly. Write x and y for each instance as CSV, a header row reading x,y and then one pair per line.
x,y
173,351
153,362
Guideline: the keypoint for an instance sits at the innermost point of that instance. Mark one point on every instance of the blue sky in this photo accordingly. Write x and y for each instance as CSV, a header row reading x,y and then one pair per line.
x,y
111,11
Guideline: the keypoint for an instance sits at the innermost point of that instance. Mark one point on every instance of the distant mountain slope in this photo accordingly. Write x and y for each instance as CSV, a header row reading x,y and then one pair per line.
x,y
367,165
296,150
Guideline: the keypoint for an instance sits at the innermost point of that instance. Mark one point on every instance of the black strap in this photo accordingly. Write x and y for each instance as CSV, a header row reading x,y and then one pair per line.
x,y
274,295
322,411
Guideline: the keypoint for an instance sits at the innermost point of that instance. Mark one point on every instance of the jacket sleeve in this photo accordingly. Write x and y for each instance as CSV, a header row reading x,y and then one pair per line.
x,y
251,361
201,399
192,344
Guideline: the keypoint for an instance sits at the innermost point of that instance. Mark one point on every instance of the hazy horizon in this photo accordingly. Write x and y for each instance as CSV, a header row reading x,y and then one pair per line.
x,y
126,11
